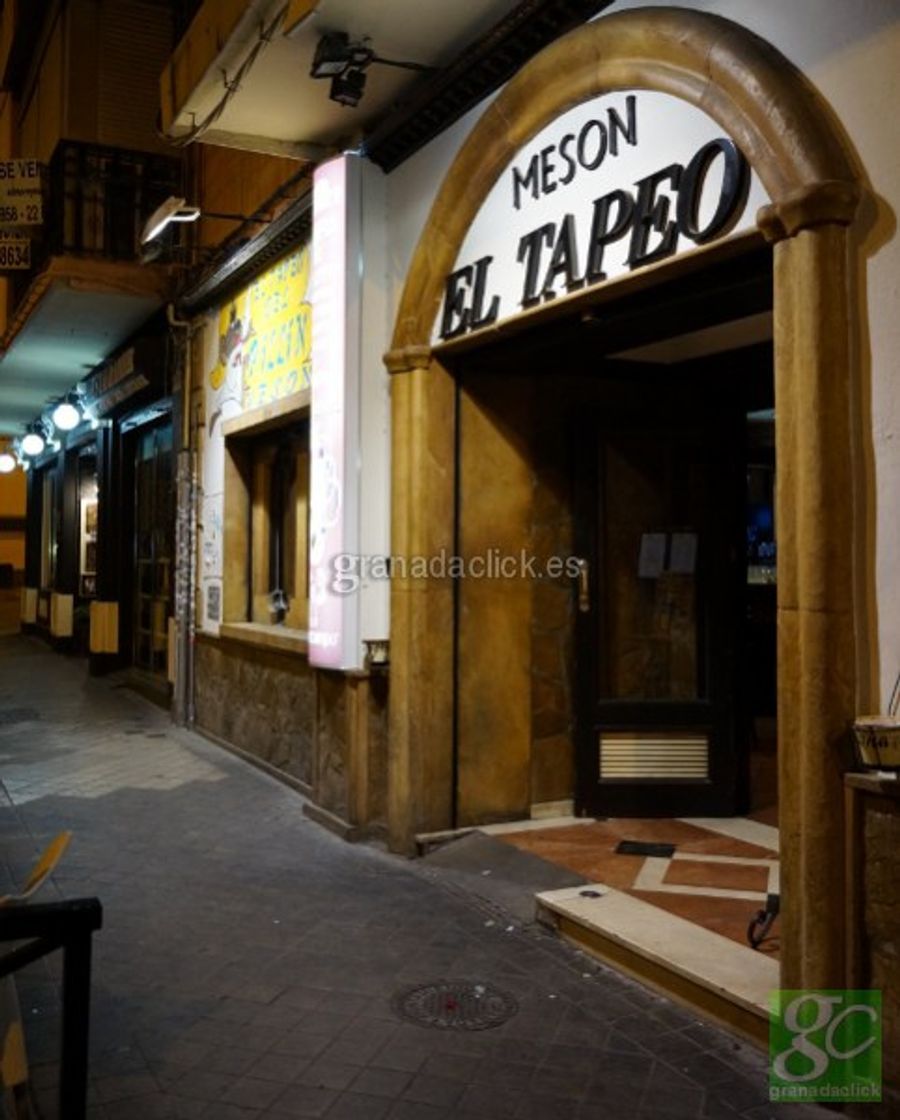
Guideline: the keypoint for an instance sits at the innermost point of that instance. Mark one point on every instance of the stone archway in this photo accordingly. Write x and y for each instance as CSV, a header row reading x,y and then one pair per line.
x,y
770,110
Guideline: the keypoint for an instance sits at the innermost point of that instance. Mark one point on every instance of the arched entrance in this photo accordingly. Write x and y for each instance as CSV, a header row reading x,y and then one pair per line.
x,y
767,107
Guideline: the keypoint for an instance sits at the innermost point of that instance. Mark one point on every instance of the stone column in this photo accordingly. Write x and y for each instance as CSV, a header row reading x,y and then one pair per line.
x,y
420,758
816,674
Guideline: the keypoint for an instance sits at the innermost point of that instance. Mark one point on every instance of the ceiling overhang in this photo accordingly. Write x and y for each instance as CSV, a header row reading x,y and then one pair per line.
x,y
240,77
74,315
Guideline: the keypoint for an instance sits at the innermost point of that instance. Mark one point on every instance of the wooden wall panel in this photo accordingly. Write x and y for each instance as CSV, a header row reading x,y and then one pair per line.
x,y
235,182
136,41
42,109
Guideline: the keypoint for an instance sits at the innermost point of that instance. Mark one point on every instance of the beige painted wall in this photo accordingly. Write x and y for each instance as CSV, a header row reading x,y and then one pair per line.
x,y
12,504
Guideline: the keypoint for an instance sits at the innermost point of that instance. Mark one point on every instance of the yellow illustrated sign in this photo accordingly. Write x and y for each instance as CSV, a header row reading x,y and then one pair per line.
x,y
265,337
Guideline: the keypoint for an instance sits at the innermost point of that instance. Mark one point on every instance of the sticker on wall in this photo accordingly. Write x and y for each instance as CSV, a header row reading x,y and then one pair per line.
x,y
214,602
212,529
227,377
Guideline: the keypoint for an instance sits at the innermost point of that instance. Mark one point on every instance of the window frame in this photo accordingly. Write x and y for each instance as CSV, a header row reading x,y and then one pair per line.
x,y
251,443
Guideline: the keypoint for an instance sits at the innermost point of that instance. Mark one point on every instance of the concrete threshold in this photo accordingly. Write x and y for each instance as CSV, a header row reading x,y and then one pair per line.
x,y
700,969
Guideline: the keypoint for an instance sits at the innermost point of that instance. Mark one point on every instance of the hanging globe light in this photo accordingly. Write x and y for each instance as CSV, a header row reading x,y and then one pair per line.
x,y
32,443
7,462
66,416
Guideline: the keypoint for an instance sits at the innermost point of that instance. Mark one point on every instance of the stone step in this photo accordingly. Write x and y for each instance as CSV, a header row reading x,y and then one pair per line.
x,y
701,969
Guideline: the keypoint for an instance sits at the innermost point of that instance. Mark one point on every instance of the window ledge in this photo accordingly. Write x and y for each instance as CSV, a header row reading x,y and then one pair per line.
x,y
266,637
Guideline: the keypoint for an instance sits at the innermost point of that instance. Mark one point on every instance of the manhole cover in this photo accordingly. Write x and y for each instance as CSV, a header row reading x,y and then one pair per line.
x,y
17,715
455,1005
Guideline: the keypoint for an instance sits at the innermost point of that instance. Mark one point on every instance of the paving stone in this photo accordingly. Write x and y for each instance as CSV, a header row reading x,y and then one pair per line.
x,y
234,1060
329,1074
504,1074
490,1100
301,1044
415,1110
280,1016
220,1111
401,1055
537,1107
253,1092
380,1082
248,957
566,1084
303,1100
462,1067
123,1086
707,1069
152,1106
201,1085
354,1053
278,1067
430,1089
356,1106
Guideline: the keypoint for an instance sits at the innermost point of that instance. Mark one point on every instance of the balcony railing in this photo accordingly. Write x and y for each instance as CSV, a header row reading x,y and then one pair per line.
x,y
96,200
99,198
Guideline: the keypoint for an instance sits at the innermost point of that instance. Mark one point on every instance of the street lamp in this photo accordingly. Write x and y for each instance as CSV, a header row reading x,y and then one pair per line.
x,y
177,210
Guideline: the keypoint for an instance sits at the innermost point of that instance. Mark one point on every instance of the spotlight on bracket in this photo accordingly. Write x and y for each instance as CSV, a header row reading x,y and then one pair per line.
x,y
177,210
345,63
335,54
348,88
172,210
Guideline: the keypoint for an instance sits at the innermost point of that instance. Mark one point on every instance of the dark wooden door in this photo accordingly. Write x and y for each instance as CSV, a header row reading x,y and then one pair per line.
x,y
660,522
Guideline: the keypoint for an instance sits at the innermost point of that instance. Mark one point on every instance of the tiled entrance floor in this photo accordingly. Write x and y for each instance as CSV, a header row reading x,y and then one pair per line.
x,y
717,877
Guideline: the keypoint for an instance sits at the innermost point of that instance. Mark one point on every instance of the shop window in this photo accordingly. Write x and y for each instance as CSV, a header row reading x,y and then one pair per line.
x,y
266,575
279,532
154,518
87,535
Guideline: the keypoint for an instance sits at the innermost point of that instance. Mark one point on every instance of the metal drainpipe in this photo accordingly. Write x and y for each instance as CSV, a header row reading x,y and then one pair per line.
x,y
186,517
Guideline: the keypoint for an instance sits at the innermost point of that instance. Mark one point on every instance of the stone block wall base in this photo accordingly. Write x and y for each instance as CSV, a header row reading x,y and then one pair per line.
x,y
333,822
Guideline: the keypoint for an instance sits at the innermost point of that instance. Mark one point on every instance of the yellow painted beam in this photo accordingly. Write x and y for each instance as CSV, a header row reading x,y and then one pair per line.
x,y
201,45
297,12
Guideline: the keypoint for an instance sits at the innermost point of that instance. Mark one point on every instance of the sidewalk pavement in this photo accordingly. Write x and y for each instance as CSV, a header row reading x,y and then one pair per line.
x,y
248,957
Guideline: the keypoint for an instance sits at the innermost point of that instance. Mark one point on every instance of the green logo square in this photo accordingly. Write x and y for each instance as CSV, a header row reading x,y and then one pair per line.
x,y
825,1046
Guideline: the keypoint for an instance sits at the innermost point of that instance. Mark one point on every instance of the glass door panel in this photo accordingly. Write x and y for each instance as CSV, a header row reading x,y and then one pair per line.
x,y
154,533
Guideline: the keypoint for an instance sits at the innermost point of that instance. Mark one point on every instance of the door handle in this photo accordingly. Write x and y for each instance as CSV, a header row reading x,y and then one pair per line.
x,y
584,586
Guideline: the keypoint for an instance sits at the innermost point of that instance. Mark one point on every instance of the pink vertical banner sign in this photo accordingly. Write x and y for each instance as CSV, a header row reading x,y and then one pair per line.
x,y
334,422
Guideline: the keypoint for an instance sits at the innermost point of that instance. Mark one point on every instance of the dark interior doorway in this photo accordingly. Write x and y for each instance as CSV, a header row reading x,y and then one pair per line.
x,y
154,521
677,380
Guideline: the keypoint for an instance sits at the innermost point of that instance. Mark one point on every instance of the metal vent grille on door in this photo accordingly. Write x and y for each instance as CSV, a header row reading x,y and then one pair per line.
x,y
659,755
